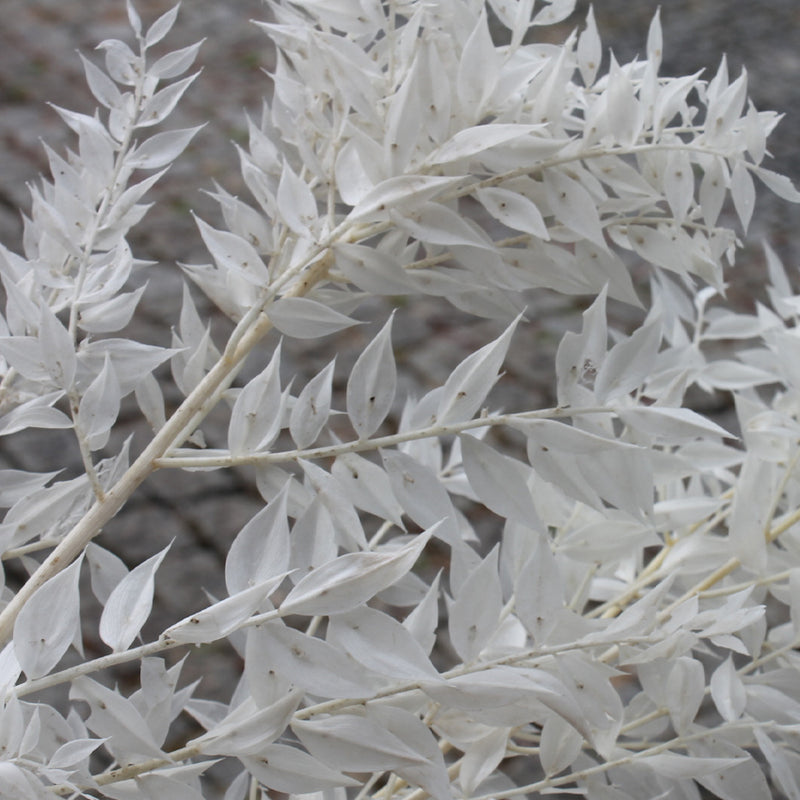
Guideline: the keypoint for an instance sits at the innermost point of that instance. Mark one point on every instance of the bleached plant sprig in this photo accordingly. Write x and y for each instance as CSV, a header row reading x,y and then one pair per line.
x,y
610,639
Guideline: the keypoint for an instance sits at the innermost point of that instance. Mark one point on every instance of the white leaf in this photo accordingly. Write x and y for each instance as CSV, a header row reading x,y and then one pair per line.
x,y
161,148
17,483
111,315
478,68
749,514
302,318
116,718
255,418
151,401
423,621
589,467
71,754
162,103
680,767
312,408
403,120
400,192
628,363
261,549
372,383
350,580
367,487
589,50
421,494
555,12
248,729
481,758
498,481
625,112
373,271
106,571
381,644
679,183
573,206
780,184
560,745
590,686
685,689
728,691
290,770
313,664
434,223
129,605
471,141
354,744
101,86
475,612
346,522
121,62
35,413
223,618
513,210
133,18
99,407
161,27
712,190
782,773
354,180
296,204
175,63
48,622
233,253
470,382
671,425
412,731
539,591
744,193
57,349
732,375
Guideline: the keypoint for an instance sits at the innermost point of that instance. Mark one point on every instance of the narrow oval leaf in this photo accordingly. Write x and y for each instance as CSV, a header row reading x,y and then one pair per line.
x,y
255,419
248,729
223,618
312,408
261,549
313,664
498,481
573,206
513,210
161,149
421,494
354,744
469,383
539,591
382,644
372,383
350,580
475,612
302,318
290,770
129,605
727,691
48,622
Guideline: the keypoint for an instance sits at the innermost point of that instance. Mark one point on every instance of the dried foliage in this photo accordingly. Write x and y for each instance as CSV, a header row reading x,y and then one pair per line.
x,y
614,642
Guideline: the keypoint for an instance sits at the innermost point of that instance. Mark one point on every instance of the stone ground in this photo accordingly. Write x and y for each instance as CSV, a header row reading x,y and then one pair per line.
x,y
203,511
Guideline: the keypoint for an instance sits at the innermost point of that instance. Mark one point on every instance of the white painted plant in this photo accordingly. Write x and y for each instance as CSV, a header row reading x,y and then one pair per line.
x,y
630,631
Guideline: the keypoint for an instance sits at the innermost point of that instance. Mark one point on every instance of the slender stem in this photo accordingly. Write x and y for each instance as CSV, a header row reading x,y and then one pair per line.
x,y
103,510
361,445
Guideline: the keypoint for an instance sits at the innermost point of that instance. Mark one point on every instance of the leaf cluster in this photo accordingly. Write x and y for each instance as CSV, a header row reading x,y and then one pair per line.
x,y
629,628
